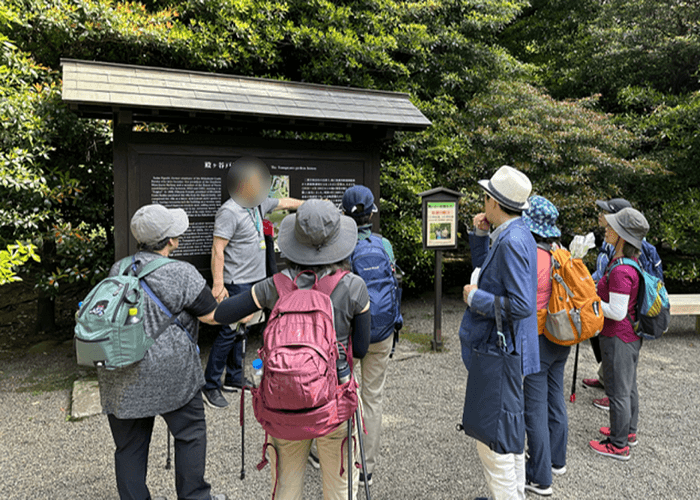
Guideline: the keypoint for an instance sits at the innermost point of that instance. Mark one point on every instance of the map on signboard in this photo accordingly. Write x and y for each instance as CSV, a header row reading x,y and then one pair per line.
x,y
279,189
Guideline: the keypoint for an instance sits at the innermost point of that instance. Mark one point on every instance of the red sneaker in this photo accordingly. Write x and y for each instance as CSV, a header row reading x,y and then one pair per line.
x,y
592,382
631,438
607,449
602,403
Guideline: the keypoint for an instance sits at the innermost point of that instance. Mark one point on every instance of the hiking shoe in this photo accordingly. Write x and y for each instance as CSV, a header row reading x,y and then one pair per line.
x,y
607,449
369,479
314,461
602,403
538,489
559,471
631,438
214,398
592,382
235,386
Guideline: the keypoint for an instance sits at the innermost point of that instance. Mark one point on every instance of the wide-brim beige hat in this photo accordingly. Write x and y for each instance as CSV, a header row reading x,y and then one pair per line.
x,y
317,234
153,223
509,187
630,225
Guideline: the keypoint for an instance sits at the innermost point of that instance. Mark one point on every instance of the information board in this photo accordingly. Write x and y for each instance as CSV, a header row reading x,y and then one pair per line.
x,y
441,224
194,178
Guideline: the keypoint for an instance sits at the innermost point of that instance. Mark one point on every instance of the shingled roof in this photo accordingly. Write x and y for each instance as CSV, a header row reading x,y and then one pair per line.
x,y
97,89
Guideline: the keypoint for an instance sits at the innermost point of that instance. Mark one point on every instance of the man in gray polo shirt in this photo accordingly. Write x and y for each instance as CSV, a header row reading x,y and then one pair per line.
x,y
237,263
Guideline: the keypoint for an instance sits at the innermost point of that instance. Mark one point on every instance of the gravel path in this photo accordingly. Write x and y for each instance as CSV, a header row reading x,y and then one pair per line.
x,y
44,456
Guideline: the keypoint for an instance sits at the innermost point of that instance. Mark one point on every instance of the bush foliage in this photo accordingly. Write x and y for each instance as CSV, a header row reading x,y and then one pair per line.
x,y
591,99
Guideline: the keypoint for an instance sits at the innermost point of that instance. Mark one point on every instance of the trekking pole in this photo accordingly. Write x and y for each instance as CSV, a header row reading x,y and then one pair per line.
x,y
572,398
351,462
241,331
168,464
362,451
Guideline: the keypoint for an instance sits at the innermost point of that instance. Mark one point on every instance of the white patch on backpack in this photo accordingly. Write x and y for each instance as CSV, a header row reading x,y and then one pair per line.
x,y
99,308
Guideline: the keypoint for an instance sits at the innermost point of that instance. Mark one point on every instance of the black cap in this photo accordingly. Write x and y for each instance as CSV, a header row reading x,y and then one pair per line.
x,y
613,206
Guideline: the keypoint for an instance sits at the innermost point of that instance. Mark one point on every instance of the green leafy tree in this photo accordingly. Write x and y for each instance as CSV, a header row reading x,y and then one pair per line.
x,y
452,56
54,176
590,47
642,58
12,258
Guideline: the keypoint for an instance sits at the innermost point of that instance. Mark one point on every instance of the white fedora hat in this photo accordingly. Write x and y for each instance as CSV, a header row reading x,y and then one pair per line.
x,y
509,187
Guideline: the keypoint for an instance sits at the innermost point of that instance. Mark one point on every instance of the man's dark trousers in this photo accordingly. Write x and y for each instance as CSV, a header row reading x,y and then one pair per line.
x,y
133,437
227,351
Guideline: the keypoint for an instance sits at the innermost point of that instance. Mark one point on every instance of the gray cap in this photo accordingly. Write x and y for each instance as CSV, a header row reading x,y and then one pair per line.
x,y
317,234
630,224
153,223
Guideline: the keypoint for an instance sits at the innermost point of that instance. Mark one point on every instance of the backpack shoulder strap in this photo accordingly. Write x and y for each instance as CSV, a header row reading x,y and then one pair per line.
x,y
545,246
624,260
125,265
283,284
153,265
631,262
612,265
173,318
328,283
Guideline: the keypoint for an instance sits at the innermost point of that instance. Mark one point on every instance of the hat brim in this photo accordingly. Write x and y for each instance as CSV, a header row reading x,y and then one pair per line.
x,y
604,205
622,232
339,250
502,200
372,210
541,229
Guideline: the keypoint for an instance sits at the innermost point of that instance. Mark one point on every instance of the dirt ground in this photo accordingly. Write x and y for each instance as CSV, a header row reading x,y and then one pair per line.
x,y
45,455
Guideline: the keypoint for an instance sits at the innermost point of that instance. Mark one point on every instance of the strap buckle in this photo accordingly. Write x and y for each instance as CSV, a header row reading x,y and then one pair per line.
x,y
501,340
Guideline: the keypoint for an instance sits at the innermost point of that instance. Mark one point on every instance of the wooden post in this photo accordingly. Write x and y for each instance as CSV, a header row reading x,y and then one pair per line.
x,y
437,321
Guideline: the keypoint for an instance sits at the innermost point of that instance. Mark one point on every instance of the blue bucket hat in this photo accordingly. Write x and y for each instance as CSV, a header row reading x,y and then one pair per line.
x,y
541,217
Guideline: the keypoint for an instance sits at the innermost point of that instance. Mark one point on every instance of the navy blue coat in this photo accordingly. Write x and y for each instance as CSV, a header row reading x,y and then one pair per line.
x,y
508,269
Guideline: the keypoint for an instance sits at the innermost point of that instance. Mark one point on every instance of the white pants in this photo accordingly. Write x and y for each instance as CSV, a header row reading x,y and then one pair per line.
x,y
505,474
371,375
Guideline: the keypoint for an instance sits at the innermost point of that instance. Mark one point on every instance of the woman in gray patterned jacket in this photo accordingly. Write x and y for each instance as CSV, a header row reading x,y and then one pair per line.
x,y
168,380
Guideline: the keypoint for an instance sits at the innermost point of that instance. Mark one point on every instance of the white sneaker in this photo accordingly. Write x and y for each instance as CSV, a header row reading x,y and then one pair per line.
x,y
559,471
544,491
314,461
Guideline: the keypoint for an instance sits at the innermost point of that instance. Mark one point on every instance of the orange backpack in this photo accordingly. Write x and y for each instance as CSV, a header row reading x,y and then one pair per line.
x,y
574,313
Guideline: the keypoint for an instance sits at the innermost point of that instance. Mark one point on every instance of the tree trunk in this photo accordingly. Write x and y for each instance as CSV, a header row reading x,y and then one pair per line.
x,y
45,313
46,302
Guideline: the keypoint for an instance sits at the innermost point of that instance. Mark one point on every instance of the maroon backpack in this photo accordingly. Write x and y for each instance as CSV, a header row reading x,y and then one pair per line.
x,y
299,396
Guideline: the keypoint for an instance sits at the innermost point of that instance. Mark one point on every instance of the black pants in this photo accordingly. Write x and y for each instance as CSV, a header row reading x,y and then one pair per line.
x,y
595,344
133,437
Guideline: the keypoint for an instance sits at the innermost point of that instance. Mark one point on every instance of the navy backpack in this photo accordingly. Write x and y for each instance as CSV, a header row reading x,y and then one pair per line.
x,y
371,262
650,261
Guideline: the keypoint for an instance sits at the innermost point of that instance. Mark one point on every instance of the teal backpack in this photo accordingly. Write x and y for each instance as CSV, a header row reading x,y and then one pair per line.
x,y
653,307
109,330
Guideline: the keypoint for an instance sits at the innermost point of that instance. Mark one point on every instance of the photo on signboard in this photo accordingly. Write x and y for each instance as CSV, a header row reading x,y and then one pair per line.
x,y
279,189
440,231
